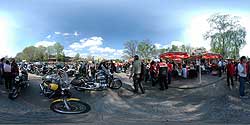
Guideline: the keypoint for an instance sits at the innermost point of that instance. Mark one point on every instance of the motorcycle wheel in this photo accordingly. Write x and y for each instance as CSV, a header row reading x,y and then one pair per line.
x,y
116,84
14,93
77,107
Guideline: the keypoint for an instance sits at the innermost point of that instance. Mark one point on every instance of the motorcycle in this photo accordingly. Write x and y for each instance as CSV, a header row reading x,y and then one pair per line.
x,y
57,87
21,82
103,80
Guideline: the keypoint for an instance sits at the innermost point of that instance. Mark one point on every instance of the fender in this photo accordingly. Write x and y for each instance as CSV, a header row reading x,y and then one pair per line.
x,y
68,99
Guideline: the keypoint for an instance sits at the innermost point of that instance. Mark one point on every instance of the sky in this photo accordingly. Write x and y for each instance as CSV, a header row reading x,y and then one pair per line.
x,y
100,27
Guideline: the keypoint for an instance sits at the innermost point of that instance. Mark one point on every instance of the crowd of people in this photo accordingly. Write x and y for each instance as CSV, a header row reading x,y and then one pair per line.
x,y
160,71
163,71
8,72
240,70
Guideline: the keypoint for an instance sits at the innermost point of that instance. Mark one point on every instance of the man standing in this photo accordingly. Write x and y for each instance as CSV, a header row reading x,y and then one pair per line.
x,y
230,73
242,72
136,72
170,69
163,71
14,71
220,67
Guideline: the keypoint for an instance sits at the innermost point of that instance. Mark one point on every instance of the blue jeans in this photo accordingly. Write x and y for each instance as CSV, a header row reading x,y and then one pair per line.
x,y
242,86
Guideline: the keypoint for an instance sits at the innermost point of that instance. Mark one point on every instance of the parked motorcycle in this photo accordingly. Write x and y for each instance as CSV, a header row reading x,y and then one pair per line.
x,y
57,87
103,79
21,82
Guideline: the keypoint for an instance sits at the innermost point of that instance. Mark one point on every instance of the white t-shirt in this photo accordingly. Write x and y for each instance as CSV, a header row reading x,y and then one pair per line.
x,y
7,68
241,70
220,64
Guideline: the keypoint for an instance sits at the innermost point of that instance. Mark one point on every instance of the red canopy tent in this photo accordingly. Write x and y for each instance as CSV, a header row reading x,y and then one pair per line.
x,y
212,56
175,55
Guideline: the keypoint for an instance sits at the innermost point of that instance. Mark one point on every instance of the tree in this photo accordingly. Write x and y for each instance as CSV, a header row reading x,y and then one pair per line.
x,y
226,35
58,49
29,53
19,57
146,49
130,48
174,48
50,51
77,57
61,57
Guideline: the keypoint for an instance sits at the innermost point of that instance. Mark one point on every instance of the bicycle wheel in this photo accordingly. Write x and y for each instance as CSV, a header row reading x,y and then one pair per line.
x,y
116,84
76,107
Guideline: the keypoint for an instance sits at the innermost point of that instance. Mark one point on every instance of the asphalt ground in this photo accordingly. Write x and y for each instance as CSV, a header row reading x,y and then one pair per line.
x,y
212,104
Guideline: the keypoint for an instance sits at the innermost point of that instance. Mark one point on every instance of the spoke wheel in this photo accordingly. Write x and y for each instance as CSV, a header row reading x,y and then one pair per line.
x,y
116,84
76,107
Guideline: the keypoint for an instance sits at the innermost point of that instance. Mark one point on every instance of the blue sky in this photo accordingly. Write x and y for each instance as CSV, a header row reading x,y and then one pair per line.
x,y
100,27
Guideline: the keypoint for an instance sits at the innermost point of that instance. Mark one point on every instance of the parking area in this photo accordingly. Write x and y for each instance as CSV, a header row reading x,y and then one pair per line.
x,y
214,103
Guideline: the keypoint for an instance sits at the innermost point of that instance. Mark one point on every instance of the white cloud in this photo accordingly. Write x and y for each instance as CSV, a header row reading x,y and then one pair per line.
x,y
90,42
57,33
96,49
45,43
48,37
106,52
157,45
93,46
176,43
245,22
69,52
76,34
66,34
197,27
6,38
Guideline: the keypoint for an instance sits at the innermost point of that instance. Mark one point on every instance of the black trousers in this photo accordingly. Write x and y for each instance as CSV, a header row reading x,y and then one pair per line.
x,y
229,77
8,80
138,82
153,78
220,73
163,82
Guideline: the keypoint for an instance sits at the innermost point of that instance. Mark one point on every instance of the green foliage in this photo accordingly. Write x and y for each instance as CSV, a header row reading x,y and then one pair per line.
x,y
146,50
226,35
59,50
77,57
41,53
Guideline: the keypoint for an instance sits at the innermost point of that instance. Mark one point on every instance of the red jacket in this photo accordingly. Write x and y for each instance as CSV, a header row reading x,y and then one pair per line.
x,y
230,69
170,67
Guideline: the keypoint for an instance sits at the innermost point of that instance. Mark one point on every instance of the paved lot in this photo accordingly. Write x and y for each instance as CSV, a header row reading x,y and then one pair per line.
x,y
211,104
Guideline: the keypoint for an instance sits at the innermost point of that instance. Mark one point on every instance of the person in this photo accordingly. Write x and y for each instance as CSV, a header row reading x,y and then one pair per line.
x,y
1,70
248,70
7,75
136,73
163,71
242,72
112,67
14,70
184,71
153,72
236,70
170,70
220,67
230,73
